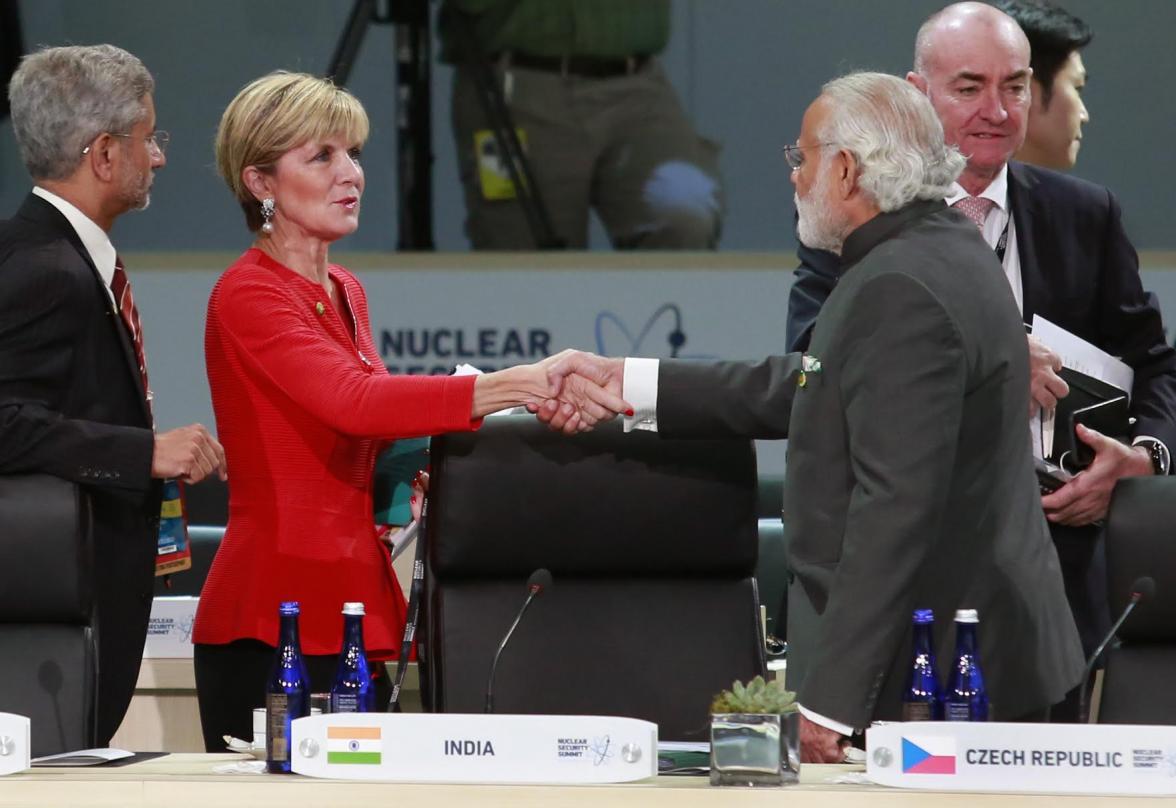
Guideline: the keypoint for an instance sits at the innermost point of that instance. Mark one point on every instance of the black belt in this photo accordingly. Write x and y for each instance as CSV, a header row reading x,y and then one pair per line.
x,y
588,67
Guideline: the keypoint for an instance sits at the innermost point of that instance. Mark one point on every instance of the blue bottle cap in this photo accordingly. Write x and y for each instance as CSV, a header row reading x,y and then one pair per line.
x,y
289,607
924,616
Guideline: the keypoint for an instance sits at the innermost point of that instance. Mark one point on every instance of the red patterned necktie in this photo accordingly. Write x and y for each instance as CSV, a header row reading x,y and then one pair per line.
x,y
125,301
975,208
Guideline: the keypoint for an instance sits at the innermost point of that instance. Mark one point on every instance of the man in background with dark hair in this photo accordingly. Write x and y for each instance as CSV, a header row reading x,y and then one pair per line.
x,y
1056,113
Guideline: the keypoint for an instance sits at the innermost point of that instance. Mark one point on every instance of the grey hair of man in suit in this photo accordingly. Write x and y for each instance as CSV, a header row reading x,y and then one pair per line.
x,y
63,98
894,132
896,145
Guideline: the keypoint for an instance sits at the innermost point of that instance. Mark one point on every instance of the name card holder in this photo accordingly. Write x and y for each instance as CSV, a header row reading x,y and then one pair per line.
x,y
14,743
474,748
1006,757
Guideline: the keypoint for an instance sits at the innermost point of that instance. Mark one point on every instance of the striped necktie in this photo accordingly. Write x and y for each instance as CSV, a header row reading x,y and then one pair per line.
x,y
125,301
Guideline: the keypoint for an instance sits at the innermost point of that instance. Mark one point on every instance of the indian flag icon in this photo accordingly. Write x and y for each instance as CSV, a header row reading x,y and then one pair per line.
x,y
354,745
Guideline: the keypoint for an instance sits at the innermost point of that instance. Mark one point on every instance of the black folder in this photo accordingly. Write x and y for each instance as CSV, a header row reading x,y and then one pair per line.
x,y
1099,405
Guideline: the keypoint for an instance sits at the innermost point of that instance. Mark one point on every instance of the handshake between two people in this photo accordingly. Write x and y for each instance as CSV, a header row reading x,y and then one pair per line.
x,y
583,390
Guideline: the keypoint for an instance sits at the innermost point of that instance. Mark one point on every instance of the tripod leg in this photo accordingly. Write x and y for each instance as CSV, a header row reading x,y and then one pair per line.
x,y
499,117
347,49
414,128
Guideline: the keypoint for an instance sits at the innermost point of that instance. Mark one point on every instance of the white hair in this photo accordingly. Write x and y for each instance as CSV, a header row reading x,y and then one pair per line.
x,y
63,98
892,130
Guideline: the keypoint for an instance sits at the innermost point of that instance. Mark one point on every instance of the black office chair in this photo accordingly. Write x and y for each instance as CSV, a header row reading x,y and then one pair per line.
x,y
1141,540
771,575
652,545
48,657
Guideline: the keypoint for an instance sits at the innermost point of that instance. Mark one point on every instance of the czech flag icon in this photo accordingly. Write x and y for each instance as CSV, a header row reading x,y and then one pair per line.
x,y
928,755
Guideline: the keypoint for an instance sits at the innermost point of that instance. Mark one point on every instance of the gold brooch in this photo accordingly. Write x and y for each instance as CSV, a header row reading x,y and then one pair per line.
x,y
319,308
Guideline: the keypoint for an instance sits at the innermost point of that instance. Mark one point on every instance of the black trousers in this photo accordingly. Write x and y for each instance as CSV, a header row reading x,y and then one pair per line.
x,y
230,683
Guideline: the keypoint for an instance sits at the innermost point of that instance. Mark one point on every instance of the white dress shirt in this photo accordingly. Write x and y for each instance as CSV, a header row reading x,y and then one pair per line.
x,y
93,237
994,224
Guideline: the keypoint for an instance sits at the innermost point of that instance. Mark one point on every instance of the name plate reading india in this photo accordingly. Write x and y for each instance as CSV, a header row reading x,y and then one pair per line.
x,y
1053,758
463,748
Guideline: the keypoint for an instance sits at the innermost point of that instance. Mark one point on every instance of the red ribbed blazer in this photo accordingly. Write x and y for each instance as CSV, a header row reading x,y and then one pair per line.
x,y
302,409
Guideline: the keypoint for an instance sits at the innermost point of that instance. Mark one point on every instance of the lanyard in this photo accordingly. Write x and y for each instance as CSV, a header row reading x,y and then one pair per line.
x,y
1002,243
414,610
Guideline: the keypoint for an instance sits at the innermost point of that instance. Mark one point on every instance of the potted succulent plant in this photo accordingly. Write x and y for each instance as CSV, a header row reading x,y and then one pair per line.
x,y
755,738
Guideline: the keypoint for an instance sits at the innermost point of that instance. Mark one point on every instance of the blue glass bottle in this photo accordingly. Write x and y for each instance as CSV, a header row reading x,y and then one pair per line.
x,y
966,698
922,700
353,691
287,693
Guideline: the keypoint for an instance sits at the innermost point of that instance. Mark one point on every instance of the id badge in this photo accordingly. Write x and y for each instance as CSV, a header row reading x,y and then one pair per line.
x,y
493,173
173,552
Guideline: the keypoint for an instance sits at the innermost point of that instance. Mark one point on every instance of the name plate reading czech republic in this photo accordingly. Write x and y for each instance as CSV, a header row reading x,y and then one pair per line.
x,y
1053,758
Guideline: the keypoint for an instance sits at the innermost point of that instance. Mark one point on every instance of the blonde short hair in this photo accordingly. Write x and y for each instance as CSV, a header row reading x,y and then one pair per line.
x,y
274,114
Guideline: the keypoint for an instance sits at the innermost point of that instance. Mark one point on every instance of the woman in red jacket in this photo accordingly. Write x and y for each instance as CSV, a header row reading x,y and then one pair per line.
x,y
303,404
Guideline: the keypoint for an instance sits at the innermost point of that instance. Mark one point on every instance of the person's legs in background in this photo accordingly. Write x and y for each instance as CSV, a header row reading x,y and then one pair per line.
x,y
559,150
231,680
657,184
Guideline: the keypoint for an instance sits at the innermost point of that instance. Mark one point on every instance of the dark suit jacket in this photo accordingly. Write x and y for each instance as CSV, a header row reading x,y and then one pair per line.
x,y
1078,270
72,405
910,481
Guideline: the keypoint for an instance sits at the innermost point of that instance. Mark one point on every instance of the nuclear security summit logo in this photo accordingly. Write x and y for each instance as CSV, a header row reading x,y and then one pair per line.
x,y
615,337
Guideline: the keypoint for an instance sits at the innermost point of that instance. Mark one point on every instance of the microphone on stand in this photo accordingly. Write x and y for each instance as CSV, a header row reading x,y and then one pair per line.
x,y
537,584
1143,588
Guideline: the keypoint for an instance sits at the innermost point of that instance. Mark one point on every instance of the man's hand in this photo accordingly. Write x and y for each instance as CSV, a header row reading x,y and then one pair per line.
x,y
588,391
1045,385
189,453
1087,497
819,744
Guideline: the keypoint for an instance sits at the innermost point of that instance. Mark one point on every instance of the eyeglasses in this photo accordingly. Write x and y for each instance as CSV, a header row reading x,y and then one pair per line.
x,y
157,139
794,156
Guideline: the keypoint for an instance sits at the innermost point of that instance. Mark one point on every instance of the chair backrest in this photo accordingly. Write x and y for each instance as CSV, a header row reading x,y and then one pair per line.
x,y
771,574
48,668
1141,540
652,545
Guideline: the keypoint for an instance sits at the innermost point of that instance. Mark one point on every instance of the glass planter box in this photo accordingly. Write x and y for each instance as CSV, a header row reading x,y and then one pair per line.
x,y
755,749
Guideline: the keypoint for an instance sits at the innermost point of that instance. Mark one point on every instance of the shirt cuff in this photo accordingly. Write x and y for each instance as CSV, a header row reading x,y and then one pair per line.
x,y
639,388
827,723
1165,454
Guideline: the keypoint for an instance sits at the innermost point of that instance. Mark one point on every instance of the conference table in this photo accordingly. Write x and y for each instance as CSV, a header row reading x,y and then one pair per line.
x,y
187,779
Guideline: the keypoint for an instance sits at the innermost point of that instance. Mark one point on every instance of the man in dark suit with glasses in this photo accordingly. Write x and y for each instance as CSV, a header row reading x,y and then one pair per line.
x,y
74,396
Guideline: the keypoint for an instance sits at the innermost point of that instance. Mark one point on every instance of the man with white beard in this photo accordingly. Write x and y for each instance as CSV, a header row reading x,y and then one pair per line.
x,y
910,479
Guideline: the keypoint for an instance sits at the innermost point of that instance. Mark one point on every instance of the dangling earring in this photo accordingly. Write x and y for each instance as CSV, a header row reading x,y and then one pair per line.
x,y
267,213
